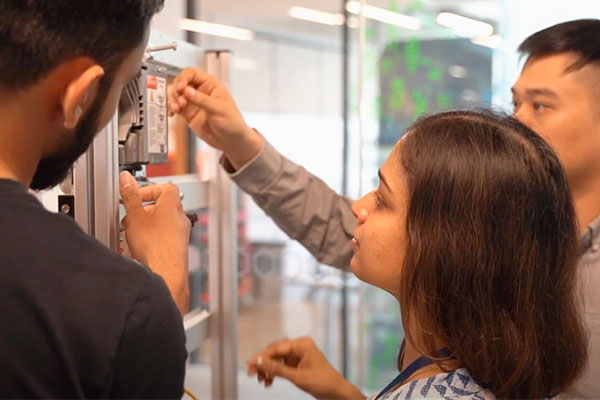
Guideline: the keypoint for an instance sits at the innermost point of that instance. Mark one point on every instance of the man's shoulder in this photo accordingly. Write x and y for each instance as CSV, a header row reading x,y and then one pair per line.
x,y
35,243
35,232
66,292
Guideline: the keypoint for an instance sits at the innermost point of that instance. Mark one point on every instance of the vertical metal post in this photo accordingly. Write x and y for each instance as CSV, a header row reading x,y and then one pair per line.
x,y
223,273
106,183
360,105
346,128
95,188
83,192
193,12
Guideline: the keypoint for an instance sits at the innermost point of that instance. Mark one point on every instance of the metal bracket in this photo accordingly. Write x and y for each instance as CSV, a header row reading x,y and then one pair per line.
x,y
150,50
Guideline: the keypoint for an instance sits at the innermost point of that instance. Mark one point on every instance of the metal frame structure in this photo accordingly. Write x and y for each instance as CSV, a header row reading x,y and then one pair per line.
x,y
95,189
223,280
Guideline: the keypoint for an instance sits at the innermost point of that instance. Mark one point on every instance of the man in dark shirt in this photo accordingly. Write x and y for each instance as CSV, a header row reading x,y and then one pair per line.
x,y
77,320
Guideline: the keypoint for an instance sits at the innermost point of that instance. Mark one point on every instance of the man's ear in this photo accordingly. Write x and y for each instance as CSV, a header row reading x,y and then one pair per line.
x,y
75,96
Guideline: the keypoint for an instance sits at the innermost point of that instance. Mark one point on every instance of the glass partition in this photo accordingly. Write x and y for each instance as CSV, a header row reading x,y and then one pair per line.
x,y
405,59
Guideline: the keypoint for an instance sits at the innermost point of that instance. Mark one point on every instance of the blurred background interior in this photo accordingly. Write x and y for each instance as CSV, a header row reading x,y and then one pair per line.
x,y
333,85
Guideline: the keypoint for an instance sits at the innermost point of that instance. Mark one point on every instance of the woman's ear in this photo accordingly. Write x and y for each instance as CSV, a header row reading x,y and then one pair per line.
x,y
75,97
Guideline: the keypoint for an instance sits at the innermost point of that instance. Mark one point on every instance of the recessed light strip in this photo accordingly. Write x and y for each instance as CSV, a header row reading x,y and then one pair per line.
x,y
210,28
385,16
320,17
464,25
493,42
354,7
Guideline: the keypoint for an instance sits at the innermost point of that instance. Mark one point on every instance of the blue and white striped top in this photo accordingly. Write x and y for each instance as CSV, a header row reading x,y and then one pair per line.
x,y
458,384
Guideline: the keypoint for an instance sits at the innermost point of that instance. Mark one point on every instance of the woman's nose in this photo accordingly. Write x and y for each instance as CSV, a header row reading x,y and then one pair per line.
x,y
361,208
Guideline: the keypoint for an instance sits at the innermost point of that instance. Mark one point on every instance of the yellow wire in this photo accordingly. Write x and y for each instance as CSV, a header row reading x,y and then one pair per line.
x,y
189,393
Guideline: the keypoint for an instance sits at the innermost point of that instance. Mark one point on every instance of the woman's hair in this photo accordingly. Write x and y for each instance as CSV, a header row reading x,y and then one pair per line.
x,y
490,268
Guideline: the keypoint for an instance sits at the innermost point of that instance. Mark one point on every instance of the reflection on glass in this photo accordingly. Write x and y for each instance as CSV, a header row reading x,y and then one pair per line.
x,y
405,74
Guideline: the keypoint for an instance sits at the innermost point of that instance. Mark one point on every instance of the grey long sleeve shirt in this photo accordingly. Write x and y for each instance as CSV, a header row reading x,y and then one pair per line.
x,y
588,385
301,204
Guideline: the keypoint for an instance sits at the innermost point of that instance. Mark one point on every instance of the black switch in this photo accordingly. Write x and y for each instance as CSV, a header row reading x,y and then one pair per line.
x,y
66,205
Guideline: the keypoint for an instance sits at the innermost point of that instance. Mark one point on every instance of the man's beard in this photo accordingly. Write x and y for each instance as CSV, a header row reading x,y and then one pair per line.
x,y
54,168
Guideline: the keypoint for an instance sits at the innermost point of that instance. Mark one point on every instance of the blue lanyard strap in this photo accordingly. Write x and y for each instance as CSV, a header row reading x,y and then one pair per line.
x,y
411,369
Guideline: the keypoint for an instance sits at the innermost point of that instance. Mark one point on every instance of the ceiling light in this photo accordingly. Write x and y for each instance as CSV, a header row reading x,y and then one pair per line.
x,y
457,71
465,26
209,28
385,16
321,17
493,41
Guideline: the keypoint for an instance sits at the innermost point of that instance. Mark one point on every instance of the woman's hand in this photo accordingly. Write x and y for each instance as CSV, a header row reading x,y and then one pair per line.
x,y
301,362
210,111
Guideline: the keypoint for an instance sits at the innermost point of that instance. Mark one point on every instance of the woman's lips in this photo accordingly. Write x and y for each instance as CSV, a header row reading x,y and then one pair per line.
x,y
354,244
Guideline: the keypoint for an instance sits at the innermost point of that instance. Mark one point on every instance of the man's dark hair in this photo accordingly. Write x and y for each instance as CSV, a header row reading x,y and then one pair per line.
x,y
38,35
579,36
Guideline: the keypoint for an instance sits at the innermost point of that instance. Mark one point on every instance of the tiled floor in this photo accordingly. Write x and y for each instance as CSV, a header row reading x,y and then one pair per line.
x,y
269,319
198,381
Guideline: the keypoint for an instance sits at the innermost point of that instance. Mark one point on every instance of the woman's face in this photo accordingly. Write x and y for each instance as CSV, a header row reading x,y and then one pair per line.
x,y
379,241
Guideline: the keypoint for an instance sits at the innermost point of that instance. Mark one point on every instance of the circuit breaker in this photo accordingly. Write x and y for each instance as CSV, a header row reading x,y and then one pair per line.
x,y
142,120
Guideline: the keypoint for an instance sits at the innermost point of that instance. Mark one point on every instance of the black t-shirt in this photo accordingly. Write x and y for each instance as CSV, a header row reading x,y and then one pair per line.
x,y
76,319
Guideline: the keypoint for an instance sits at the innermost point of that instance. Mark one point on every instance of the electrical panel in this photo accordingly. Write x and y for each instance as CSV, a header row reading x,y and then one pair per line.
x,y
143,120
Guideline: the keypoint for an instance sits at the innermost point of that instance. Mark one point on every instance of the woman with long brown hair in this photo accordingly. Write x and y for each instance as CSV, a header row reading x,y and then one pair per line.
x,y
473,231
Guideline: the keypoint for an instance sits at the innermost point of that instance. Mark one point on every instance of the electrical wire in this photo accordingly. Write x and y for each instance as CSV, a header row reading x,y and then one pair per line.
x,y
189,393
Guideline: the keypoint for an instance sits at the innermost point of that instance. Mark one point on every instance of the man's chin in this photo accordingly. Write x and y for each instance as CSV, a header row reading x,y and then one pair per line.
x,y
54,168
47,177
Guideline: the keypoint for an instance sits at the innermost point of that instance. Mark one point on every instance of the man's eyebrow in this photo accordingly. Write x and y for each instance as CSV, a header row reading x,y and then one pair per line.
x,y
537,92
541,92
382,179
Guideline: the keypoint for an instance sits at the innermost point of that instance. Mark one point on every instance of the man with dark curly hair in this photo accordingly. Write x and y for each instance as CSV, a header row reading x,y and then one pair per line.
x,y
79,321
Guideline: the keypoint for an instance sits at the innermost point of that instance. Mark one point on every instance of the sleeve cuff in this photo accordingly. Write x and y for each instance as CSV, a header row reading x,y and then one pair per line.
x,y
259,172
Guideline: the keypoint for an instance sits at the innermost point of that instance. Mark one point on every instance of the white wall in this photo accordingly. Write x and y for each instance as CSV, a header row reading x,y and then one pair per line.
x,y
293,96
284,78
167,20
313,141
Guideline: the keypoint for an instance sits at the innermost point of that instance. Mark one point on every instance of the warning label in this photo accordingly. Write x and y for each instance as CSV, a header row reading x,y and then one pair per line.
x,y
157,114
151,82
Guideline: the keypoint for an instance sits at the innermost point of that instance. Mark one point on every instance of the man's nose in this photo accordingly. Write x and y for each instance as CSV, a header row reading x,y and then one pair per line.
x,y
523,118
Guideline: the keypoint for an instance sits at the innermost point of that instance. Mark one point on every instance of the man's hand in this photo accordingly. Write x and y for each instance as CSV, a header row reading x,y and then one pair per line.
x,y
158,234
212,114
301,362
